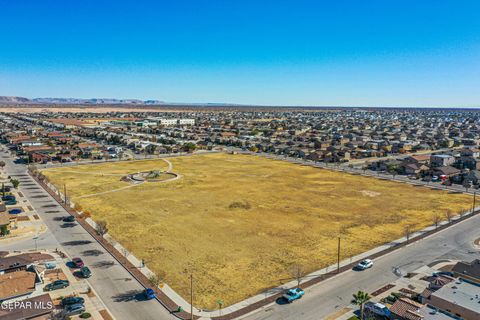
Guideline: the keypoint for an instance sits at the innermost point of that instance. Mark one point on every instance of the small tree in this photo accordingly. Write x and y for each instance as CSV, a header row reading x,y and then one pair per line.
x,y
298,272
78,208
154,280
467,185
2,164
359,299
125,253
449,215
15,183
407,231
189,147
436,220
101,228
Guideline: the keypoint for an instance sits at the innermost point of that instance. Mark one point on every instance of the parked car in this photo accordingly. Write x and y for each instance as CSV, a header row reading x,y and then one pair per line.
x,y
50,265
73,309
10,202
435,179
85,272
377,309
77,263
72,300
69,219
293,294
57,284
8,197
364,264
149,294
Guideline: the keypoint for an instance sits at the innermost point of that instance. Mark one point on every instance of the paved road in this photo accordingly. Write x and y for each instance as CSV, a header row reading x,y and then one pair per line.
x,y
44,241
111,281
325,298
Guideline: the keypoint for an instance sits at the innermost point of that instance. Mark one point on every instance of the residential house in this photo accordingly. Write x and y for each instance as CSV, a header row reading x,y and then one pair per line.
x,y
468,270
418,159
414,168
473,177
405,309
448,171
44,309
441,160
17,284
459,298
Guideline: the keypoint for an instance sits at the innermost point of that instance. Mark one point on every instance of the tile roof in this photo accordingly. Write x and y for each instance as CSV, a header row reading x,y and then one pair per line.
x,y
406,308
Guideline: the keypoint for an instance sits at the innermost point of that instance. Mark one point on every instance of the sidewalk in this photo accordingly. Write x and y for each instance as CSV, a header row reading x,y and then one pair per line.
x,y
171,300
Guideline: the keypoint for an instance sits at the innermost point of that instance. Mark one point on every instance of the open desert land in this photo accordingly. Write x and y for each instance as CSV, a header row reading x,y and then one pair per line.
x,y
239,223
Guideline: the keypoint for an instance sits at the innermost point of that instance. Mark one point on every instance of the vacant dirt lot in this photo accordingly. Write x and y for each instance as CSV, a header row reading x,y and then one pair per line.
x,y
239,223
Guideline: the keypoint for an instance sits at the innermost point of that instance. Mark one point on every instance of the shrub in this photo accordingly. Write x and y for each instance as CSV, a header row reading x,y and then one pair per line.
x,y
85,315
240,205
397,295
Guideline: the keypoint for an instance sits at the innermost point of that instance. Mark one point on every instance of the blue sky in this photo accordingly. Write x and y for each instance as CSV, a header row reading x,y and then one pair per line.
x,y
375,53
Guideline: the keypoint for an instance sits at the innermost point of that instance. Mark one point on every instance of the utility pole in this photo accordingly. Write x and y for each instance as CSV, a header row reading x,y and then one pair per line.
x,y
65,193
474,199
191,296
338,256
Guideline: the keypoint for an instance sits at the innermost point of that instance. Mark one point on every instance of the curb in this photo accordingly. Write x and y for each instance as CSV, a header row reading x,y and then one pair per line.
x,y
166,301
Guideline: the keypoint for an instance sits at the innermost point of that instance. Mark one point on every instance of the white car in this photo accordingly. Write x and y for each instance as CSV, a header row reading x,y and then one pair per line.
x,y
377,308
364,264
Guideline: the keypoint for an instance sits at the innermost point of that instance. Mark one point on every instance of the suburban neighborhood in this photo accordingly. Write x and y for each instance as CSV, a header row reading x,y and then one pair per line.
x,y
439,152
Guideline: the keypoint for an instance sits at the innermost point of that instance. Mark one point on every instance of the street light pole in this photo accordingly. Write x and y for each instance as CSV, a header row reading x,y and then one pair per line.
x,y
65,193
338,256
191,296
474,199
35,239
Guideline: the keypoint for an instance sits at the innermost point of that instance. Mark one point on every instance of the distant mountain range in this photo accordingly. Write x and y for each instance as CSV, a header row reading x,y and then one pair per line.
x,y
94,101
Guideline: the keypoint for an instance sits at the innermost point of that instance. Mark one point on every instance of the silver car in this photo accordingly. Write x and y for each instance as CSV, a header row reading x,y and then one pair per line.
x,y
364,264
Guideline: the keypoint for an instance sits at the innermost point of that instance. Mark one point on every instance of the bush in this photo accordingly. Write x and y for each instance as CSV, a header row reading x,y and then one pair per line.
x,y
240,205
397,295
390,299
85,315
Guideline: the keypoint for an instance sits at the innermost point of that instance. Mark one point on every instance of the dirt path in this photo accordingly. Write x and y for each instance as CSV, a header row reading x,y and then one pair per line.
x,y
169,170
170,165
94,173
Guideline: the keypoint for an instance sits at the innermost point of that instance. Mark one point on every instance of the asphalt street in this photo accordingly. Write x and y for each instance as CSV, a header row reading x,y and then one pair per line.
x,y
117,289
114,285
323,299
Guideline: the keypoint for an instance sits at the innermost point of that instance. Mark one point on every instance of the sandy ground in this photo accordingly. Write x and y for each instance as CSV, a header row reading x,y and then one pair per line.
x,y
239,223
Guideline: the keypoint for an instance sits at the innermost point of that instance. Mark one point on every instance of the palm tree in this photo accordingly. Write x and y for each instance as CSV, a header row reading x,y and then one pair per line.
x,y
359,299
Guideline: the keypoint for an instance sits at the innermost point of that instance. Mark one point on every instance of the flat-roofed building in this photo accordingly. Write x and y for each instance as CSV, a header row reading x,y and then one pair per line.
x,y
460,298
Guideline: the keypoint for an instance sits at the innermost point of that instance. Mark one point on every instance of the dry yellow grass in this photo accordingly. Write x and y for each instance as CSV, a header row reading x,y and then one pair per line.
x,y
239,222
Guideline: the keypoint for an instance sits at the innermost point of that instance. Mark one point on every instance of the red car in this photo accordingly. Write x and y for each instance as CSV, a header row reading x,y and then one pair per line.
x,y
77,263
